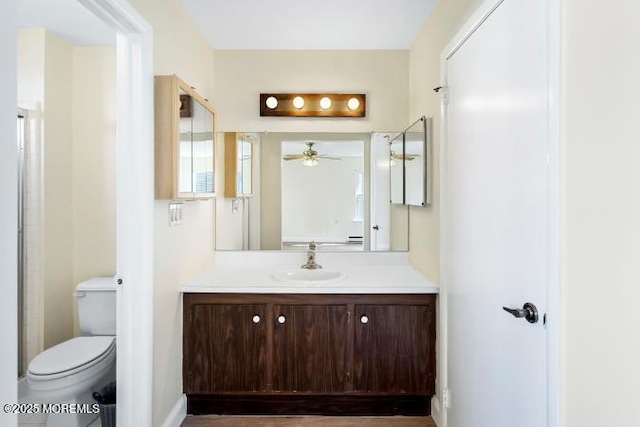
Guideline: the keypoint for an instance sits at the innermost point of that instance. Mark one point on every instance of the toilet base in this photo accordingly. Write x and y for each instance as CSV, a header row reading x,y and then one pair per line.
x,y
84,404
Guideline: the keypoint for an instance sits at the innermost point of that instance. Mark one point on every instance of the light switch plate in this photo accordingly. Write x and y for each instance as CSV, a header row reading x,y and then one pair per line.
x,y
175,214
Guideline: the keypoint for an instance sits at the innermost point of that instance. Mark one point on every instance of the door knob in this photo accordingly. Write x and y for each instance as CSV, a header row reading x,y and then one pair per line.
x,y
375,227
528,311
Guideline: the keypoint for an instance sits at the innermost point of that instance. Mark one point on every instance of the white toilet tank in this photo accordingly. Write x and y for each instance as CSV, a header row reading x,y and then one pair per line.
x,y
97,306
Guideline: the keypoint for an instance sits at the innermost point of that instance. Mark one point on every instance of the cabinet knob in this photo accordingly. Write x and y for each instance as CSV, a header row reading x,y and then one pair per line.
x,y
281,319
364,319
256,319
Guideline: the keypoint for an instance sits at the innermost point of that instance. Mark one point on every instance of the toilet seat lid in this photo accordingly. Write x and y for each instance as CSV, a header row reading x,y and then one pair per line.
x,y
71,355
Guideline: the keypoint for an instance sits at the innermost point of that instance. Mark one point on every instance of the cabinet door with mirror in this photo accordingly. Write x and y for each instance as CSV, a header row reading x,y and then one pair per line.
x,y
184,133
417,161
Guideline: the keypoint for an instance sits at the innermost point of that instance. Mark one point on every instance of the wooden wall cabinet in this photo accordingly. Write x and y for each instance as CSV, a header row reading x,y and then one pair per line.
x,y
309,354
184,141
238,165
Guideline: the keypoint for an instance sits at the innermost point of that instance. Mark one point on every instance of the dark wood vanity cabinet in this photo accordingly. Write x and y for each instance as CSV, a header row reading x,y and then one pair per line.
x,y
227,349
394,349
309,348
309,354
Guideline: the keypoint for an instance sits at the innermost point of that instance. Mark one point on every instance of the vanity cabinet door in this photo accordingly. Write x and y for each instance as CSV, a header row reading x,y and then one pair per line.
x,y
310,348
394,349
225,350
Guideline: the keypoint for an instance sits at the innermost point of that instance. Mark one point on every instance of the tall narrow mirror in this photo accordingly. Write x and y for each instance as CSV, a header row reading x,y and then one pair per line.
x,y
416,162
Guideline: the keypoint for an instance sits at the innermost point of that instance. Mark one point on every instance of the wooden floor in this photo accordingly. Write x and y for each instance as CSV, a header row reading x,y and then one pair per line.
x,y
259,421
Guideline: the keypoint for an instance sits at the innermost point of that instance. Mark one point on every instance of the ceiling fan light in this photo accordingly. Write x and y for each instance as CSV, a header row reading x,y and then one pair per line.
x,y
310,162
298,102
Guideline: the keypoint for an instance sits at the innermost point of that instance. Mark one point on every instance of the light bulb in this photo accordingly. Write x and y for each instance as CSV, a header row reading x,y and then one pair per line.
x,y
325,103
353,104
272,102
310,162
298,102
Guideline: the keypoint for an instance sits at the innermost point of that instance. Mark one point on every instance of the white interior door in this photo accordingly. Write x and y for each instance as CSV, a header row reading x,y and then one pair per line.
x,y
495,237
380,197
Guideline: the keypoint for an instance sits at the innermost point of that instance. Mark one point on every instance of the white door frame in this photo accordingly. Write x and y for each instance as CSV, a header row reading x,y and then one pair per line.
x,y
135,213
555,319
8,216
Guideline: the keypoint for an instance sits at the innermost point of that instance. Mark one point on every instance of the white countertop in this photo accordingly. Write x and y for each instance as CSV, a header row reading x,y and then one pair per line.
x,y
364,273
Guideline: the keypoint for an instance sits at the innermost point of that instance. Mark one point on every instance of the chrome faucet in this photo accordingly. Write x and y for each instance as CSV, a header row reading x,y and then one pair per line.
x,y
311,258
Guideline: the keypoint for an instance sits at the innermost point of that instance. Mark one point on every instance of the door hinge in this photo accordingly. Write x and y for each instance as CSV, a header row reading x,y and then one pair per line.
x,y
446,398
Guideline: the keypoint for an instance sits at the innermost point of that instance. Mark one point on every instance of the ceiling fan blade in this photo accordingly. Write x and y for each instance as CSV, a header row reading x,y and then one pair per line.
x,y
293,157
329,158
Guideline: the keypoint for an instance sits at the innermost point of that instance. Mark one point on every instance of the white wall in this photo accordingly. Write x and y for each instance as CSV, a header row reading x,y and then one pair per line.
x,y
94,163
318,203
8,217
182,251
424,74
242,75
602,212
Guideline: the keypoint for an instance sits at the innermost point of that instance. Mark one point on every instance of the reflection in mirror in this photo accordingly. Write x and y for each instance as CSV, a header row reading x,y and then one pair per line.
x,y
396,169
288,209
415,164
196,147
323,194
245,154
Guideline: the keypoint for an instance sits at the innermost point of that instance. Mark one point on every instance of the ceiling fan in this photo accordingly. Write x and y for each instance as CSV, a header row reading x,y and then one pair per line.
x,y
309,156
395,156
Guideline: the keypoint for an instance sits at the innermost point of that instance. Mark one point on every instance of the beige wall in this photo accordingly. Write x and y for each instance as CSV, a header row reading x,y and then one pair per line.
x,y
58,198
424,75
602,212
182,251
94,163
242,75
94,166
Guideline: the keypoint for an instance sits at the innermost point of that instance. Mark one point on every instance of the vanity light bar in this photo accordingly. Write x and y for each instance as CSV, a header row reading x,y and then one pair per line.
x,y
313,104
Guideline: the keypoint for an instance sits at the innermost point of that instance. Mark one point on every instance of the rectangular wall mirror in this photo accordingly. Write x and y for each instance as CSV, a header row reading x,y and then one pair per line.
x,y
332,188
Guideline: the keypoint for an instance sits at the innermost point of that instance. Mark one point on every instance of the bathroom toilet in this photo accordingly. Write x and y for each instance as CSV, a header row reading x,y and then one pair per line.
x,y
70,371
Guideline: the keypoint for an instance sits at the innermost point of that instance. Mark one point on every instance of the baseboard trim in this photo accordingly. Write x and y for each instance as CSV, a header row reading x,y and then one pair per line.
x,y
435,410
307,404
177,414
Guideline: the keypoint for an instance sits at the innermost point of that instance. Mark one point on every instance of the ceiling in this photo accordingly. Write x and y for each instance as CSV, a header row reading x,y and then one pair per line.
x,y
257,24
66,18
310,24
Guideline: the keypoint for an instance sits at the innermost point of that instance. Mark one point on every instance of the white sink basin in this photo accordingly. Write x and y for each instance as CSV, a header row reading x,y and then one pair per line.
x,y
309,277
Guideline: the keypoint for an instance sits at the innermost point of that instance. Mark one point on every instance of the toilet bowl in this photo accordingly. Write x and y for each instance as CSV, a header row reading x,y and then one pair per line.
x,y
69,372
